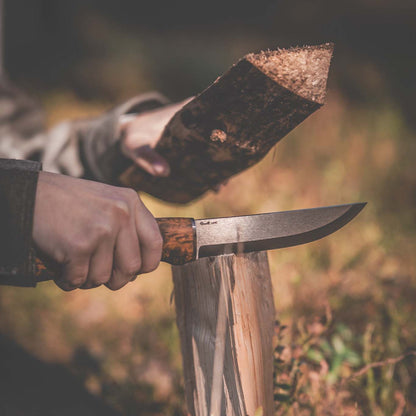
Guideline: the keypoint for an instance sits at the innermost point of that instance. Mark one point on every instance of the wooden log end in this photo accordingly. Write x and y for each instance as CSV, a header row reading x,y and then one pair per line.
x,y
302,70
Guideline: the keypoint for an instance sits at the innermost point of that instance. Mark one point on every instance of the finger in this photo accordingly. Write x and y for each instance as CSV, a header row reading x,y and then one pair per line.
x,y
150,239
149,160
74,274
127,259
101,265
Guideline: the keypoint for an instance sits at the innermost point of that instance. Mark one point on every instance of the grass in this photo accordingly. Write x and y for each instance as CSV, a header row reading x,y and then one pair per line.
x,y
347,301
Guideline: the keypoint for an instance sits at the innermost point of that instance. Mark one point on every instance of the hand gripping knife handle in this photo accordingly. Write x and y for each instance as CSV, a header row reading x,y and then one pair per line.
x,y
179,247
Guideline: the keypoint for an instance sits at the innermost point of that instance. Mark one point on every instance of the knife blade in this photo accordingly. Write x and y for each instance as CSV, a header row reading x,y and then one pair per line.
x,y
186,239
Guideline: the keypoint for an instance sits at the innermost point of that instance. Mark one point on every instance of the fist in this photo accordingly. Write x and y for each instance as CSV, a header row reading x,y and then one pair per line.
x,y
99,234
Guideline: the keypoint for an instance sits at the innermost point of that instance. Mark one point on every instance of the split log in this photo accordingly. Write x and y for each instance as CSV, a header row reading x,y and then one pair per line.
x,y
225,315
236,121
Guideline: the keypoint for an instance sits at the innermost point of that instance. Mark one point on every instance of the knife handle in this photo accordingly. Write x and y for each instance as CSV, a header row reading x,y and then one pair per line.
x,y
179,247
179,240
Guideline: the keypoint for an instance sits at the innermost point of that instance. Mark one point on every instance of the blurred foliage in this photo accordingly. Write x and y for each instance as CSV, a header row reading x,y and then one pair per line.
x,y
347,301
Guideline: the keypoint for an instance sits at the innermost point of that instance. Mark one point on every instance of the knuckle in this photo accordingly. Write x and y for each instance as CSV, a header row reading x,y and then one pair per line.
x,y
67,288
149,267
64,286
76,280
100,280
59,255
132,195
87,286
153,253
116,286
120,209
75,276
151,264
91,285
156,243
152,239
80,246
102,230
132,268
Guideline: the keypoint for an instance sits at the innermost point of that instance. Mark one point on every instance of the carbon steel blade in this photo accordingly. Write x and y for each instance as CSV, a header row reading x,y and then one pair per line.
x,y
216,236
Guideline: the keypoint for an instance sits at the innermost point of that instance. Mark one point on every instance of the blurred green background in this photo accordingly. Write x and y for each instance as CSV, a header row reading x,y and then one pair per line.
x,y
348,300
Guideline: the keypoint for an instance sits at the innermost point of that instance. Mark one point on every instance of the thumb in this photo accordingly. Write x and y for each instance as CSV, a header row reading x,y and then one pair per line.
x,y
150,161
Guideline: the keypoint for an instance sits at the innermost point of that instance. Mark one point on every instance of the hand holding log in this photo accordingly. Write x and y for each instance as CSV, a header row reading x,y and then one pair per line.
x,y
236,121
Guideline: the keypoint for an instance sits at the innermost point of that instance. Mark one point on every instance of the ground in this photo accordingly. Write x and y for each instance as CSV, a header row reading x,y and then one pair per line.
x,y
347,301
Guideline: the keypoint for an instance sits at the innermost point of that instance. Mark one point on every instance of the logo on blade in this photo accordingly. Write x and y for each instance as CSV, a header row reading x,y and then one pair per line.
x,y
208,222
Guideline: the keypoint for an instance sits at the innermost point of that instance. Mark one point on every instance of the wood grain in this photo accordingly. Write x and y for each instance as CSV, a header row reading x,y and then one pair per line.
x,y
225,316
179,242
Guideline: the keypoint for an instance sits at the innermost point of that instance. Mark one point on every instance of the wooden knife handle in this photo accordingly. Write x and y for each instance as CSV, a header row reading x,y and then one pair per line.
x,y
179,240
179,247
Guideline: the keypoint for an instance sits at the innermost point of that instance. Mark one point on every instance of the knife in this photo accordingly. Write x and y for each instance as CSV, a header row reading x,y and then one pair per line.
x,y
186,239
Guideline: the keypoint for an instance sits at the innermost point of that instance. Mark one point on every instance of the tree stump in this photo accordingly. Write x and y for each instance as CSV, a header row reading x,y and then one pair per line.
x,y
225,316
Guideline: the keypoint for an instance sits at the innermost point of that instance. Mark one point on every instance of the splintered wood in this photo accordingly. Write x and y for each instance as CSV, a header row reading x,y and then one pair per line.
x,y
236,121
225,315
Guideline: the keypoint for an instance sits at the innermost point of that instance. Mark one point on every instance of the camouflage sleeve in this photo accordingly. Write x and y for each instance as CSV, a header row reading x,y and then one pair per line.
x,y
21,124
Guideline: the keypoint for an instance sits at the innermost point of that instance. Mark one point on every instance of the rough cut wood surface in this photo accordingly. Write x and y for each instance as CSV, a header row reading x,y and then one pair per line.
x,y
236,121
225,315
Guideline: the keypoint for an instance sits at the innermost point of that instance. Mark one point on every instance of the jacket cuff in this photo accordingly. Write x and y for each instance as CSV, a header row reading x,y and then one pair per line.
x,y
100,150
18,181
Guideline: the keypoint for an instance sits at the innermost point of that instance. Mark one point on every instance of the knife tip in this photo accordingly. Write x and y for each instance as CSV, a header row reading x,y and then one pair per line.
x,y
356,208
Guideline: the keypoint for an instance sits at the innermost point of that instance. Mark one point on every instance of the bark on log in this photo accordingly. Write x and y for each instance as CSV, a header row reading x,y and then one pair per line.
x,y
225,315
236,121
